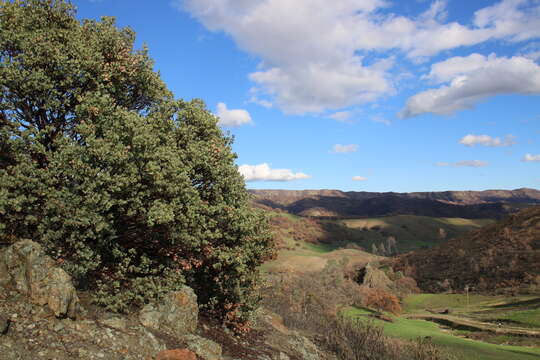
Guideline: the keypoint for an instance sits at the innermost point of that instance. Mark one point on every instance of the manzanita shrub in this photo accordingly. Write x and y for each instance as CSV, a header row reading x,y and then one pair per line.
x,y
131,191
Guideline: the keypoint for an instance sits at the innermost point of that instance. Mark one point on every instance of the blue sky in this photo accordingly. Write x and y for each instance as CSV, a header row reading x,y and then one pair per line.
x,y
361,95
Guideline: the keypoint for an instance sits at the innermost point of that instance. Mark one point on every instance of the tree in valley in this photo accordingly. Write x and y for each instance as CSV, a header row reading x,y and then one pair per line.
x,y
133,192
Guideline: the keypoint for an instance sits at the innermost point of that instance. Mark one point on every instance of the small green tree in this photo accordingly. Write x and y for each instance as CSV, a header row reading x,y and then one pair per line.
x,y
133,192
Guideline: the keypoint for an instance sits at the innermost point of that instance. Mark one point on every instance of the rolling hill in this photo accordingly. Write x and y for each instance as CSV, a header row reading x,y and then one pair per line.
x,y
335,203
504,255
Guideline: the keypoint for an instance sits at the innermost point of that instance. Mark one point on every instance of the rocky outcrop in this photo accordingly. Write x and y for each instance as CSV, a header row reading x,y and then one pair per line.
x,y
204,348
177,314
165,329
25,267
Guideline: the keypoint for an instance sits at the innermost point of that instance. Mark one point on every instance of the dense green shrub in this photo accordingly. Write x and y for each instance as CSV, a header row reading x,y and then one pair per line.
x,y
133,192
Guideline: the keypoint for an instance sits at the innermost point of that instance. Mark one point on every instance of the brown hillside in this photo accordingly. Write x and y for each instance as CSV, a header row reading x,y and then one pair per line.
x,y
335,203
505,255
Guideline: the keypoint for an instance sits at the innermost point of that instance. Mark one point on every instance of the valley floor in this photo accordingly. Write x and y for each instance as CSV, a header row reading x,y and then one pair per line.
x,y
478,329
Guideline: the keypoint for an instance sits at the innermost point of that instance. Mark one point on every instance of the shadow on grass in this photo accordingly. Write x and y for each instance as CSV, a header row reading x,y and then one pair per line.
x,y
526,303
520,352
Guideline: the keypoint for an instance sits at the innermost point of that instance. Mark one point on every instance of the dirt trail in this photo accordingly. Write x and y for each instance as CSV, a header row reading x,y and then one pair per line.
x,y
457,322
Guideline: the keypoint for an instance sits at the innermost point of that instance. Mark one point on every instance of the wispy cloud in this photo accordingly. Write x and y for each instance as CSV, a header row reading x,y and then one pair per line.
x,y
380,119
359,178
531,158
341,149
263,172
486,140
342,116
471,163
464,163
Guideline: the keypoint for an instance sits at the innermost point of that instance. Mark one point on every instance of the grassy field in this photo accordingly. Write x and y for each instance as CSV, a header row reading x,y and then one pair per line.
x,y
521,311
411,232
464,348
314,257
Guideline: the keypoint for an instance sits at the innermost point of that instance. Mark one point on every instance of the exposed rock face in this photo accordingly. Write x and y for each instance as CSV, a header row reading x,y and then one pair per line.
x,y
286,341
25,267
177,314
204,348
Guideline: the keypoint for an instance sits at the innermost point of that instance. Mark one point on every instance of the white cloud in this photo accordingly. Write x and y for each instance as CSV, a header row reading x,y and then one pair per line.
x,y
531,158
232,117
486,140
338,148
471,163
359,178
473,79
313,60
263,172
464,163
341,116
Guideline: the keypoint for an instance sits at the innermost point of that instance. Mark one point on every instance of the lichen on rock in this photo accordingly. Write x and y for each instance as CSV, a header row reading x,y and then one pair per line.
x,y
176,314
25,267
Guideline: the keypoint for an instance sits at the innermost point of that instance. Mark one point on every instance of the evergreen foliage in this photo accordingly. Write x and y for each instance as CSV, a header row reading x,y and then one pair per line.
x,y
133,192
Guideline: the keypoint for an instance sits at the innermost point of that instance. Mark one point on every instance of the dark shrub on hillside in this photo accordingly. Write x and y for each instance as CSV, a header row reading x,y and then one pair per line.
x,y
133,192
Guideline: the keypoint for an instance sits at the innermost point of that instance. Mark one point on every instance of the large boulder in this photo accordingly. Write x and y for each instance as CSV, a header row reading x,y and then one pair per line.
x,y
177,314
25,267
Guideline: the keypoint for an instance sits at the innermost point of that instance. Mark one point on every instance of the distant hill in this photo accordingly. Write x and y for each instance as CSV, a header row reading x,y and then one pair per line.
x,y
335,203
503,255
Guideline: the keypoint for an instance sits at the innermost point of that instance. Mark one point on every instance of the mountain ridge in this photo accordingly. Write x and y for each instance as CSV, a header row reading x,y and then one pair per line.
x,y
336,203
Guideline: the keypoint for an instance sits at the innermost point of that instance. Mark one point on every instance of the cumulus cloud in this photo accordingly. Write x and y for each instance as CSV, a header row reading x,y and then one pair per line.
x,y
531,158
464,163
472,79
359,178
232,117
263,172
338,148
324,64
486,140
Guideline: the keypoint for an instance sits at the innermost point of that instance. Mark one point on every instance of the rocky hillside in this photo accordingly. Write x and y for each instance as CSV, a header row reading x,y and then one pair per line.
x,y
505,255
334,203
43,317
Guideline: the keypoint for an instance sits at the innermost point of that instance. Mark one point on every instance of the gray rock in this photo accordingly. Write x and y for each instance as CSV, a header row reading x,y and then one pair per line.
x,y
25,267
305,348
177,314
150,343
204,348
115,322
